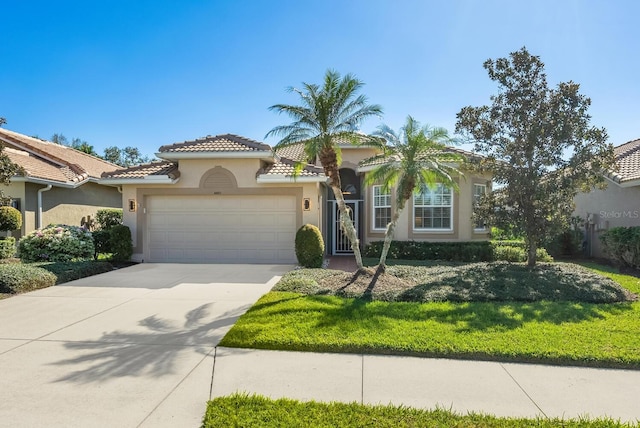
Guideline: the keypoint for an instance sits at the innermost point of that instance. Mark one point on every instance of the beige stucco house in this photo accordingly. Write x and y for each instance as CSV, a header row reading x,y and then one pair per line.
x,y
227,198
59,184
618,204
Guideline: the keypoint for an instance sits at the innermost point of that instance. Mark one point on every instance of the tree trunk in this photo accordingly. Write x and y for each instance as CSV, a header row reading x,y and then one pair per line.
x,y
531,256
388,237
346,224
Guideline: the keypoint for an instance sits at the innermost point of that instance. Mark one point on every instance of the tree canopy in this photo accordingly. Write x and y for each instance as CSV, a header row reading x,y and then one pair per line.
x,y
125,157
326,116
538,143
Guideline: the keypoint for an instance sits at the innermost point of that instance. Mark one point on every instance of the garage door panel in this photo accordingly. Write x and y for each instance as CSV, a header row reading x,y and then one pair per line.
x,y
240,229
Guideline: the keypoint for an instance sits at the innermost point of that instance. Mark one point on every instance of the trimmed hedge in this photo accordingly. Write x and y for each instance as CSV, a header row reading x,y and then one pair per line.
x,y
309,246
470,251
109,217
10,218
7,247
19,278
69,271
120,243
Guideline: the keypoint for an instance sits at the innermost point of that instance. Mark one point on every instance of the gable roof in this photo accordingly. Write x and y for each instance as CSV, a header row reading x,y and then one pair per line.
x,y
226,145
627,158
156,172
44,161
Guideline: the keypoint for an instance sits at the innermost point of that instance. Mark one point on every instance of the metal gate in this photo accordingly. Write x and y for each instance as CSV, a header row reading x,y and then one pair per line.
x,y
341,244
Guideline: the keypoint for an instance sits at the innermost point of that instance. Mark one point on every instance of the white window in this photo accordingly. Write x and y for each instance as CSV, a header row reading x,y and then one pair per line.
x,y
479,190
433,208
381,207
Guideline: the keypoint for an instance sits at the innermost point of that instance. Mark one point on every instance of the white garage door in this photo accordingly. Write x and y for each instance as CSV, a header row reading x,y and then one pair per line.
x,y
221,229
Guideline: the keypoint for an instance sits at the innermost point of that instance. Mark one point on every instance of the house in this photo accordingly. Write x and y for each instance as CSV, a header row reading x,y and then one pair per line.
x,y
58,184
227,198
618,204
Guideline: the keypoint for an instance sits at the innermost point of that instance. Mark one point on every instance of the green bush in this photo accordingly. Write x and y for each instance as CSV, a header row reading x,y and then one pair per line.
x,y
69,271
19,278
7,247
56,243
473,251
10,219
470,251
622,245
109,217
120,243
309,246
509,253
100,242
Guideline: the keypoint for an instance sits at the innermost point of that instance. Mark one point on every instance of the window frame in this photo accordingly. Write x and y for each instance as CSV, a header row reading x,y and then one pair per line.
x,y
375,207
450,206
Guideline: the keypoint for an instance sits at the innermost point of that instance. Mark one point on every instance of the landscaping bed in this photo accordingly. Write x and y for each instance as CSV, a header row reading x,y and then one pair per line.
x,y
553,331
472,282
241,410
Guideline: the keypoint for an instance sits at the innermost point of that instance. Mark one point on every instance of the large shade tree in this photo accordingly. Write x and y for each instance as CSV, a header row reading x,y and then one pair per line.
x,y
327,115
413,158
539,145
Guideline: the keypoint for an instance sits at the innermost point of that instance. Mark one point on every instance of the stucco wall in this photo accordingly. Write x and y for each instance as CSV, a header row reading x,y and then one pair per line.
x,y
16,190
194,181
613,207
463,227
68,206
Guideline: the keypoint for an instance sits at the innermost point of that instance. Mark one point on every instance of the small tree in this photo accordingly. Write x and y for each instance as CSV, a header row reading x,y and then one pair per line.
x,y
416,157
126,157
10,219
539,146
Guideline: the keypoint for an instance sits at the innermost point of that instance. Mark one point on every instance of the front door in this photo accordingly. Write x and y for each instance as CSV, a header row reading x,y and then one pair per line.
x,y
341,244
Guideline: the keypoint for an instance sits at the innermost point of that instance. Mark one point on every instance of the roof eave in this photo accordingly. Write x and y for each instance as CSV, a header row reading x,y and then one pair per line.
x,y
173,156
65,184
156,179
265,178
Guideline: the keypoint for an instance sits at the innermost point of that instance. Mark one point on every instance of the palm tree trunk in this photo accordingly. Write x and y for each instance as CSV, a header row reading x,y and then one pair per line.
x,y
346,223
388,237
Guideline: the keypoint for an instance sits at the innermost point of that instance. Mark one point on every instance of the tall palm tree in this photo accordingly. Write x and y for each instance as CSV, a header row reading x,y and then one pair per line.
x,y
327,115
414,158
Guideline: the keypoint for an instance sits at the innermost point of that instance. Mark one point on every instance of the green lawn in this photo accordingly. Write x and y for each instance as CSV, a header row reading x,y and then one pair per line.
x,y
255,411
602,335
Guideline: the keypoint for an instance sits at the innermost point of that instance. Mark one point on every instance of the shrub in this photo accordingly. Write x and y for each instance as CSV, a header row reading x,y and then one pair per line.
x,y
474,251
7,247
18,278
100,242
309,246
622,245
509,253
120,243
109,217
69,271
59,243
10,219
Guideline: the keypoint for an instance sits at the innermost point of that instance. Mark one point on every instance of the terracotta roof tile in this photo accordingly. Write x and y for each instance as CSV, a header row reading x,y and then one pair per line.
x,y
145,170
294,152
628,160
218,143
286,167
51,161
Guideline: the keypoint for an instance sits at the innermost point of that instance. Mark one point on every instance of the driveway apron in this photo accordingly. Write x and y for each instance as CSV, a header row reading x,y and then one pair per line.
x,y
132,347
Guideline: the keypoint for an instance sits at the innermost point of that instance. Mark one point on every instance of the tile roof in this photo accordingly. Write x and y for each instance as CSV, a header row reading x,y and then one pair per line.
x,y
628,161
145,170
217,143
286,167
382,160
50,161
294,152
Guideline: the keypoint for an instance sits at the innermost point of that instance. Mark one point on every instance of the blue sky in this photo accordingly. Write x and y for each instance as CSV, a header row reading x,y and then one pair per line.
x,y
148,73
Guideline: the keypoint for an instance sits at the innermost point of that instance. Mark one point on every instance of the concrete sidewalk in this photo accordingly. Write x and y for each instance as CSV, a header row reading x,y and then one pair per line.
x,y
501,389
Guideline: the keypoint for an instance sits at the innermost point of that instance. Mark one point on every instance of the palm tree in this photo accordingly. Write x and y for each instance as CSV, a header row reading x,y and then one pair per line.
x,y
414,158
325,116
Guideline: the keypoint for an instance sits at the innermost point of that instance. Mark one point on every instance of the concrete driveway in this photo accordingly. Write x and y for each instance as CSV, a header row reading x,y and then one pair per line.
x,y
128,348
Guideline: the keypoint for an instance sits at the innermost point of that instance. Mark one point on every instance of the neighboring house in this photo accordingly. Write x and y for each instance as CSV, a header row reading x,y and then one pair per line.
x,y
227,198
618,204
59,184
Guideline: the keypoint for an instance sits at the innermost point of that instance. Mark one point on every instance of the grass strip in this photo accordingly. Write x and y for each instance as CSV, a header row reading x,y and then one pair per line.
x,y
241,410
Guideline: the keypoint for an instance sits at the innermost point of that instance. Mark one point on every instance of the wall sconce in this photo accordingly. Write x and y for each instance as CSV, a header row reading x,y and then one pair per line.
x,y
132,205
306,204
